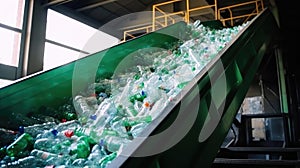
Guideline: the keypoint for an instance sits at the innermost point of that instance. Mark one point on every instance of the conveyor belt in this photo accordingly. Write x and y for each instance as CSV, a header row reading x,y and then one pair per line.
x,y
205,108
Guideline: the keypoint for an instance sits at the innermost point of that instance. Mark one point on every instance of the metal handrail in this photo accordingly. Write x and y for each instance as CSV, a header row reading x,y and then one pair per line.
x,y
128,32
164,19
188,10
231,18
251,14
164,14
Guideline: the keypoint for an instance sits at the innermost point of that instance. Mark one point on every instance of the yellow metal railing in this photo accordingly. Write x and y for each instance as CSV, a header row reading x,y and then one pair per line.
x,y
185,15
161,18
129,33
259,6
189,10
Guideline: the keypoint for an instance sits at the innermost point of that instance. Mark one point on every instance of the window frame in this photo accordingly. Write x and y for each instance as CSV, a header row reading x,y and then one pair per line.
x,y
9,72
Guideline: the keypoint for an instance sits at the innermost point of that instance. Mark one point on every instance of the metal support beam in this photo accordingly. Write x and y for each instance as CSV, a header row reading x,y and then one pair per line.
x,y
95,5
66,46
25,39
34,61
77,16
283,93
262,149
282,84
257,162
56,2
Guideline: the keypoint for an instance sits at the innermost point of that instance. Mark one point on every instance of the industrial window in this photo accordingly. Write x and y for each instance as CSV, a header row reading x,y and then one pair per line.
x,y
11,19
68,40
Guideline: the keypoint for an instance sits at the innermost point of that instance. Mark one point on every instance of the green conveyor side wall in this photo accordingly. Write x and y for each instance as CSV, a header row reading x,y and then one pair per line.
x,y
215,106
237,64
52,88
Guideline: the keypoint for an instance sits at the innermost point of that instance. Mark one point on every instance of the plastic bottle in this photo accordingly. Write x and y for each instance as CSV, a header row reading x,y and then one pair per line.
x,y
183,74
52,133
107,159
82,149
93,135
145,108
29,161
36,129
137,129
19,145
153,92
123,97
158,106
83,110
196,23
42,154
67,125
48,158
97,153
115,143
104,114
101,97
167,83
49,145
137,97
132,110
119,128
108,132
80,162
131,121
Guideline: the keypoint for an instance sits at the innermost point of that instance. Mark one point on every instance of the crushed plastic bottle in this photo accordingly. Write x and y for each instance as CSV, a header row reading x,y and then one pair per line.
x,y
36,129
83,108
29,161
97,153
48,158
67,125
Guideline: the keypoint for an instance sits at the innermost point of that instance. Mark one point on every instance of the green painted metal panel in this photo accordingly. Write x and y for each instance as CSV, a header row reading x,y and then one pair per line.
x,y
52,88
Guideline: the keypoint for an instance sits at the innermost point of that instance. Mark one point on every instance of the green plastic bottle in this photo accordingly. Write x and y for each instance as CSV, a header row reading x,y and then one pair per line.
x,y
131,121
137,97
83,147
107,159
19,145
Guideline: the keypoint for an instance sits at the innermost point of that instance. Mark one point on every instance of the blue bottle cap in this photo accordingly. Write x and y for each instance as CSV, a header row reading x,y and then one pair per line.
x,y
101,143
143,93
21,130
54,132
93,117
104,95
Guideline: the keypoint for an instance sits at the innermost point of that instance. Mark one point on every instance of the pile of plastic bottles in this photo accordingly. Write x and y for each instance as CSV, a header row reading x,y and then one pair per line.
x,y
120,110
